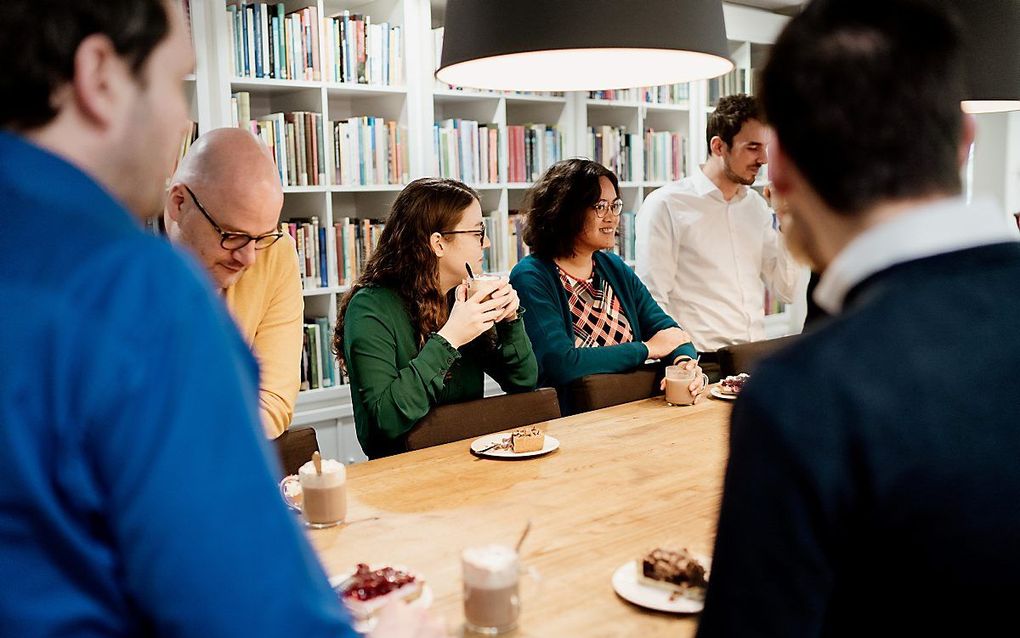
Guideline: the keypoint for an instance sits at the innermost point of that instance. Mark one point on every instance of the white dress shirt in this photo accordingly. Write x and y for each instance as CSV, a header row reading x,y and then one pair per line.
x,y
944,226
707,261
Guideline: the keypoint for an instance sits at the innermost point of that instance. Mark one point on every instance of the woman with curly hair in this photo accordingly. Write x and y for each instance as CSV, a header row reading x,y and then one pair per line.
x,y
588,313
405,347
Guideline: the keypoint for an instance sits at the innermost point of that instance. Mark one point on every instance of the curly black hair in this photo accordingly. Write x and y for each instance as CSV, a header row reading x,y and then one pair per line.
x,y
555,207
729,116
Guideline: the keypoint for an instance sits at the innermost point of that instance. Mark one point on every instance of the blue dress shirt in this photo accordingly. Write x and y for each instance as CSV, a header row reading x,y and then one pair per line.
x,y
137,495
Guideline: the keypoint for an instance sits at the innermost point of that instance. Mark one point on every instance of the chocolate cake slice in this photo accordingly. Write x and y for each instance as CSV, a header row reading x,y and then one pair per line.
x,y
674,570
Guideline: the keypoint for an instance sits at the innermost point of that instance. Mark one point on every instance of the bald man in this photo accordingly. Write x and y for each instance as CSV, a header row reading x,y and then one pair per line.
x,y
224,207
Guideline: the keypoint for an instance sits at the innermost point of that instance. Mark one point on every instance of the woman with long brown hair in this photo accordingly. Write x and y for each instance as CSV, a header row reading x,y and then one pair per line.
x,y
403,345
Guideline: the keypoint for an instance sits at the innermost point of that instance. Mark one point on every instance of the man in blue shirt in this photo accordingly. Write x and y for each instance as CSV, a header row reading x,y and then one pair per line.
x,y
136,495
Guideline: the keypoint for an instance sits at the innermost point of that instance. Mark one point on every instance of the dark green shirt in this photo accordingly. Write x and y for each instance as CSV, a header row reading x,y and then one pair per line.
x,y
394,382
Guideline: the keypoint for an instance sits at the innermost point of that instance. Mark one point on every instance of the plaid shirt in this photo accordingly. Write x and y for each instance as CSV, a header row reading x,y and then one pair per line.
x,y
597,316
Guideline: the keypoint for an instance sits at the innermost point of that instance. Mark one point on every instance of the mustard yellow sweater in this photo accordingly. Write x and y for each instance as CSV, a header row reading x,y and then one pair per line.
x,y
267,304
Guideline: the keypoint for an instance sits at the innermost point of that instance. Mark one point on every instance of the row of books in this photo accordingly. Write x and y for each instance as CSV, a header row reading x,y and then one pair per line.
x,y
468,151
357,151
616,149
626,237
531,149
665,94
730,84
269,42
665,156
330,257
318,366
437,50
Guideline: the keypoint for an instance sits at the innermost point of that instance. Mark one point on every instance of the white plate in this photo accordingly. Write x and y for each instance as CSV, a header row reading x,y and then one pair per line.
x,y
719,394
366,626
626,584
481,443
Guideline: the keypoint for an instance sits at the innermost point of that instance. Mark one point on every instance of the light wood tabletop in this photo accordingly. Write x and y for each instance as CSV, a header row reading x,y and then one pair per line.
x,y
625,479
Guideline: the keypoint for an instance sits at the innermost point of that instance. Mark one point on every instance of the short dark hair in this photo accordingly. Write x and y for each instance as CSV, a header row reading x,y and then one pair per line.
x,y
555,207
865,100
39,39
728,118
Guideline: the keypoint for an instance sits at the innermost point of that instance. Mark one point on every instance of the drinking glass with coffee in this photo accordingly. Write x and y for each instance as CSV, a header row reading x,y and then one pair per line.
x,y
492,600
678,385
323,493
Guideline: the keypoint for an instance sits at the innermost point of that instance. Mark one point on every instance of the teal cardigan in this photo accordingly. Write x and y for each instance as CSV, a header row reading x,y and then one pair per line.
x,y
395,382
550,326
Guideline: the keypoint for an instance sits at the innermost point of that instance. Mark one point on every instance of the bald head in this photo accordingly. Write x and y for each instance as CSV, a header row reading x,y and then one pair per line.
x,y
233,176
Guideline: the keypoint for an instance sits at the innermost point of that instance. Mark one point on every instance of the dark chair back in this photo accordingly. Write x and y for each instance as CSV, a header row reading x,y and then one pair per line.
x,y
470,419
743,357
295,448
603,390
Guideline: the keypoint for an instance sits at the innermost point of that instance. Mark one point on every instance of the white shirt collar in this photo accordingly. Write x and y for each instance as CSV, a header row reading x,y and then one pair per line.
x,y
945,226
705,187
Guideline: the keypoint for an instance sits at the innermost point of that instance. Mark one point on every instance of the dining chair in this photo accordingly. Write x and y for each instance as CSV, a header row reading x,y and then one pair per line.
x,y
470,419
743,357
295,448
597,391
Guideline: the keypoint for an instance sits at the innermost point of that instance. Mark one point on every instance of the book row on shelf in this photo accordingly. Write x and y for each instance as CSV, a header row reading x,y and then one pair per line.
x,y
730,84
468,151
626,237
665,153
318,367
309,151
269,42
665,94
330,257
532,148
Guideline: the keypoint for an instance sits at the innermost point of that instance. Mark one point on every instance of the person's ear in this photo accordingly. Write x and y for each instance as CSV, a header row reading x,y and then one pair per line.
x,y
437,245
967,134
174,202
102,84
717,145
781,171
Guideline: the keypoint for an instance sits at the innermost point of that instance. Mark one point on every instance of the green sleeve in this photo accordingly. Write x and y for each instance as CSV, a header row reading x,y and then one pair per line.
x,y
395,398
516,369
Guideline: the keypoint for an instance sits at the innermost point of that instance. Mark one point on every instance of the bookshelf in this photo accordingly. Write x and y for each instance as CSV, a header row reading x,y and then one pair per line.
x,y
416,103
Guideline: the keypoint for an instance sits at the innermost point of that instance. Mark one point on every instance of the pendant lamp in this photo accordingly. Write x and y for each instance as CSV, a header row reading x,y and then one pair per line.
x,y
991,30
581,45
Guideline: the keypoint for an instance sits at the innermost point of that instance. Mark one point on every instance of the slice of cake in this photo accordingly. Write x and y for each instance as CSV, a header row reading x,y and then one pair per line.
x,y
676,571
368,590
527,440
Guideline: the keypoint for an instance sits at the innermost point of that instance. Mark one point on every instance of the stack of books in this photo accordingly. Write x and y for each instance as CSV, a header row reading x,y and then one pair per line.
x,y
625,237
616,149
468,151
330,257
268,42
368,150
532,148
730,84
296,140
665,94
362,52
665,156
518,250
318,367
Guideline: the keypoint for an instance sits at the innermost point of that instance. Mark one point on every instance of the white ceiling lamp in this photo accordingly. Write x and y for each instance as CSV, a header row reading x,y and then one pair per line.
x,y
581,45
991,32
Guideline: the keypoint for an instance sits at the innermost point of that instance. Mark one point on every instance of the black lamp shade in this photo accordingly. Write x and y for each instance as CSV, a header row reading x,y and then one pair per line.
x,y
573,45
991,31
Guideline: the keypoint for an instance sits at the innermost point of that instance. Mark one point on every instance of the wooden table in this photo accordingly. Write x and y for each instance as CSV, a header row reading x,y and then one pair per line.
x,y
625,479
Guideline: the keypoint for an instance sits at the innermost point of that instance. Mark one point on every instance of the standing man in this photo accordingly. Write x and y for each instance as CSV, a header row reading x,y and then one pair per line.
x,y
224,207
706,245
136,495
869,490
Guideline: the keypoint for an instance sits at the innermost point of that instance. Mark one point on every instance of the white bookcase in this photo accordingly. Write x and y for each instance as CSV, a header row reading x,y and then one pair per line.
x,y
416,106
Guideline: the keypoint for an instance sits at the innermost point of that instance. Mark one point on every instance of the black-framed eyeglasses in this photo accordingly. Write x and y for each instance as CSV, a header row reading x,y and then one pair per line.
x,y
602,207
476,231
235,241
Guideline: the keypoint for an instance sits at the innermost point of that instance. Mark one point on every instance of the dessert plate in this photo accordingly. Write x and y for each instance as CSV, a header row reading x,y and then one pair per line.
x,y
717,392
366,626
629,588
482,446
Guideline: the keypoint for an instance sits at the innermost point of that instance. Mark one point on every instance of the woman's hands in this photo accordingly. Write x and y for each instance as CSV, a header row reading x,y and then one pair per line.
x,y
471,316
666,341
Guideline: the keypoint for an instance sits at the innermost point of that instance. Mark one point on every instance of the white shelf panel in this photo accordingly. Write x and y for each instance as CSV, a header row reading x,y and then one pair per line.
x,y
191,77
655,106
304,189
451,95
520,186
612,104
350,88
318,292
548,99
272,86
487,186
368,188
